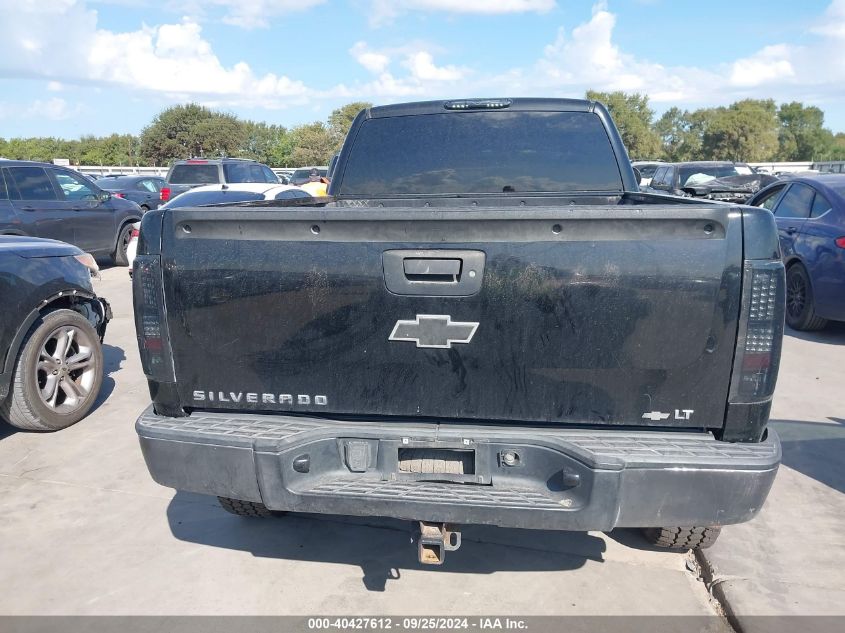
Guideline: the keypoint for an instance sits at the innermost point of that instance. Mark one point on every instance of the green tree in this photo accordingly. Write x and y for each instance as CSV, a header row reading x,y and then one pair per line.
x,y
281,153
91,151
744,131
261,141
219,135
802,133
191,130
633,117
681,132
837,148
312,144
340,120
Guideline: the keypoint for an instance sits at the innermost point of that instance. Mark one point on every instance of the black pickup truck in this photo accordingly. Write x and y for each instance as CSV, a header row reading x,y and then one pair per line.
x,y
490,324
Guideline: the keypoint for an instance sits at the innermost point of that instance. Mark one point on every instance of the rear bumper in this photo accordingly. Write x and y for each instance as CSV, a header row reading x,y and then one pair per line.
x,y
564,479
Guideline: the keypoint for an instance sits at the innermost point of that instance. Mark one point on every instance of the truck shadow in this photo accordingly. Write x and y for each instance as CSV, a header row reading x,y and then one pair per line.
x,y
816,449
382,548
113,357
833,334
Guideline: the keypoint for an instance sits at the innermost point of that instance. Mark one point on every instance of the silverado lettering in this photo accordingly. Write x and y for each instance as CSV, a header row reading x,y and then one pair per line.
x,y
255,398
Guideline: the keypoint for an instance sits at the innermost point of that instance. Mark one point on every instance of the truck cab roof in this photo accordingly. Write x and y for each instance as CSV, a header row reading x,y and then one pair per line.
x,y
468,105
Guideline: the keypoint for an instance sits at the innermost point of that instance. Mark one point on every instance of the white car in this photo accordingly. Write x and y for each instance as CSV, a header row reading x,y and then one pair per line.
x,y
235,192
132,247
220,194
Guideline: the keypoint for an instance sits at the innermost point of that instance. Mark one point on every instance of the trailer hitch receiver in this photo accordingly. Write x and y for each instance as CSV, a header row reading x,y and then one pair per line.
x,y
435,539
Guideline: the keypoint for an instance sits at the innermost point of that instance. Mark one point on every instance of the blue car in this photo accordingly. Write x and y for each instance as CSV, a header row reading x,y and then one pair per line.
x,y
810,215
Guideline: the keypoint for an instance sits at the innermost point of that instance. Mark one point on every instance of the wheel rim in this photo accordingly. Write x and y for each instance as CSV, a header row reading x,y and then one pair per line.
x,y
66,369
796,296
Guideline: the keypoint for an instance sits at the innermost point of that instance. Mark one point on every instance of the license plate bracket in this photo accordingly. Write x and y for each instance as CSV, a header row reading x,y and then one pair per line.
x,y
450,461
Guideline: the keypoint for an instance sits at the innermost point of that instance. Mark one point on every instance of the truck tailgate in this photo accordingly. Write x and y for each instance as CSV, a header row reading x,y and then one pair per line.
x,y
607,315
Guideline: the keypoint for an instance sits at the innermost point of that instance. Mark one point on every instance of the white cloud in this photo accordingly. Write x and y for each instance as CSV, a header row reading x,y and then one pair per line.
x,y
588,58
384,11
770,63
55,109
417,57
375,62
248,14
422,67
177,61
174,59
424,77
833,22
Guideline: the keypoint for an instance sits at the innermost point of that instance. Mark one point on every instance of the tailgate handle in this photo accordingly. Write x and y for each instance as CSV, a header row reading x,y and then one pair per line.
x,y
431,269
441,272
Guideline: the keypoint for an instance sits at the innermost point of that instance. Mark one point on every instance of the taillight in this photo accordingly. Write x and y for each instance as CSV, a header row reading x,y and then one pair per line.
x,y
840,242
148,296
164,194
135,233
761,332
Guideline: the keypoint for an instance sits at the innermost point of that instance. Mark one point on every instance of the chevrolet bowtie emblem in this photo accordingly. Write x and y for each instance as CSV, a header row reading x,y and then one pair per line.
x,y
433,330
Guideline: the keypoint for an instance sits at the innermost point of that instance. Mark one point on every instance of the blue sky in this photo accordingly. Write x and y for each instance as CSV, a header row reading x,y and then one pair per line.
x,y
73,67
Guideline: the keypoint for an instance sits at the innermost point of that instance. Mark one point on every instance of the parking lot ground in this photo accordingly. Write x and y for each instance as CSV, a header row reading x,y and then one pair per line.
x,y
791,559
85,530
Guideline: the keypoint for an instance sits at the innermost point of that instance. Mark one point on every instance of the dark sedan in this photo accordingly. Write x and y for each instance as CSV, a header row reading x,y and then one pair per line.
x,y
145,191
810,214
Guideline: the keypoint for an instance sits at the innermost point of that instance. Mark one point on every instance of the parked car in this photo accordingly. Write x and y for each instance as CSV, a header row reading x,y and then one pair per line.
x,y
300,176
810,215
744,169
195,172
145,191
230,194
43,200
51,327
582,358
284,175
132,248
712,180
220,194
646,169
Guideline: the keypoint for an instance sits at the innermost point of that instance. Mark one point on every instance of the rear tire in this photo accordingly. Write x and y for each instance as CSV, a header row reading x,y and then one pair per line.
x,y
252,509
119,256
800,307
682,537
53,388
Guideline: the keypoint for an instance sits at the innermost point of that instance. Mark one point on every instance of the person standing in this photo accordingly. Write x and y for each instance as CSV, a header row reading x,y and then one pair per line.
x,y
317,186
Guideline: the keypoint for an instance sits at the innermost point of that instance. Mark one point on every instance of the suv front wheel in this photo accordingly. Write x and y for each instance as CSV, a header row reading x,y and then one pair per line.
x,y
58,374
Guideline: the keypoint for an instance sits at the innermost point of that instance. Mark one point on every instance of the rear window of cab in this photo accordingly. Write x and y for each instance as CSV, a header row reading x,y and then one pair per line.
x,y
481,152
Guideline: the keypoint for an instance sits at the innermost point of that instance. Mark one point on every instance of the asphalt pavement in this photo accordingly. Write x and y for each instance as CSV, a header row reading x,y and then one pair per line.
x,y
84,530
790,560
